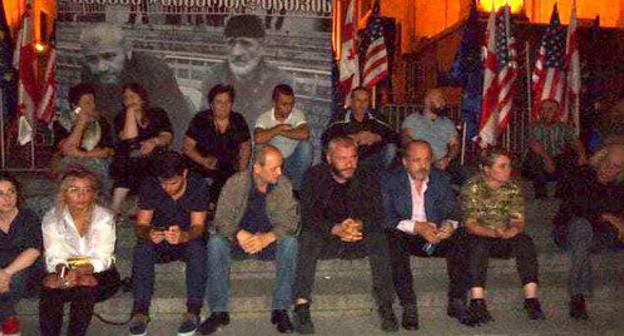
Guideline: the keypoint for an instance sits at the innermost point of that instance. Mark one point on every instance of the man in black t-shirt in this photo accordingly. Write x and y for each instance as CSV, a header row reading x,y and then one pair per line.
x,y
170,226
342,217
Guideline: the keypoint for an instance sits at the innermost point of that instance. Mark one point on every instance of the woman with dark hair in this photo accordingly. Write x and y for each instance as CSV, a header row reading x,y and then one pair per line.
x,y
87,141
217,141
79,242
20,245
142,131
494,218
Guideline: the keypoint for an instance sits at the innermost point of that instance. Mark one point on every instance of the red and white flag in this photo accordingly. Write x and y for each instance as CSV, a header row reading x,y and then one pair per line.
x,y
25,63
46,106
500,71
349,67
376,60
573,76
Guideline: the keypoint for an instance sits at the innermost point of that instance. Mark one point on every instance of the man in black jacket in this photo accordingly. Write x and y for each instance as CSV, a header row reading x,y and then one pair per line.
x,y
342,217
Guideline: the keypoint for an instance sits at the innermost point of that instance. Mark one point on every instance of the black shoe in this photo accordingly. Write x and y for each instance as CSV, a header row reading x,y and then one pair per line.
x,y
281,319
534,309
578,310
479,308
389,321
213,322
303,320
458,309
409,320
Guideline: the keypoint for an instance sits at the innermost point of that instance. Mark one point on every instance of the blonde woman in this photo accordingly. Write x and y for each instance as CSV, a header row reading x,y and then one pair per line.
x,y
79,241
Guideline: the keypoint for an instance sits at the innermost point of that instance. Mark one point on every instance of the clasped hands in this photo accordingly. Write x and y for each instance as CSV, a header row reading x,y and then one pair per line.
x,y
253,243
349,230
365,138
431,233
72,277
172,235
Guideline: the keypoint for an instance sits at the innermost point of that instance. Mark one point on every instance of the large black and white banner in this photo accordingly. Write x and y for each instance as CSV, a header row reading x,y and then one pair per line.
x,y
179,49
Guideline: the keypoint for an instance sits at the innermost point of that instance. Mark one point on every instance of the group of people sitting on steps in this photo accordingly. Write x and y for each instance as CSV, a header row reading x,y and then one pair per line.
x,y
280,208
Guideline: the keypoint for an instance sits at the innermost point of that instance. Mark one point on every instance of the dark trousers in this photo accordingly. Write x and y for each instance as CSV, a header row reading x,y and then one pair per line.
x,y
314,246
520,247
147,255
17,287
82,300
534,169
453,249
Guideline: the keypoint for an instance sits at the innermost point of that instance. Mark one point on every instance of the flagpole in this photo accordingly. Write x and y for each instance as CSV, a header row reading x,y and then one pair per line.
x,y
463,148
2,162
527,50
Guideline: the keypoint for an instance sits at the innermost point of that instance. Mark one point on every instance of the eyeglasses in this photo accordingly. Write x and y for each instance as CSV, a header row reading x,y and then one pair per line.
x,y
78,190
9,193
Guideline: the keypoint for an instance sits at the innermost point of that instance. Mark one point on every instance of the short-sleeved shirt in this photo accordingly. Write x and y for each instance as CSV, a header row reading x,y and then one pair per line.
x,y
169,212
24,233
437,132
158,121
492,207
256,218
224,146
555,138
286,145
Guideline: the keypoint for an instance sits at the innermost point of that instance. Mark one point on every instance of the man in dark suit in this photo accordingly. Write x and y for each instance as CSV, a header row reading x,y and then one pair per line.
x,y
421,219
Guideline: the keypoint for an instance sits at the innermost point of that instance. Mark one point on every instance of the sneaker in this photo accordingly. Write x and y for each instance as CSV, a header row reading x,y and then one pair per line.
x,y
479,308
534,309
138,324
578,309
409,320
11,326
389,321
280,318
458,309
214,322
303,320
189,325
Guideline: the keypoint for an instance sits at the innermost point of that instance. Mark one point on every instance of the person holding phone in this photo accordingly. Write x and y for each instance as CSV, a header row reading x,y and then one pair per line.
x,y
79,244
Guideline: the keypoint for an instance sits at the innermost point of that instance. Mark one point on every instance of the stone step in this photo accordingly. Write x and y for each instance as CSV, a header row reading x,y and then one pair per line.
x,y
353,291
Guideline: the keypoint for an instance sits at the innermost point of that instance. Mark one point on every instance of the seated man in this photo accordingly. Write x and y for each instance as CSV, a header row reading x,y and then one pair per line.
x,y
376,141
170,227
590,219
555,149
342,217
439,131
287,129
421,218
256,218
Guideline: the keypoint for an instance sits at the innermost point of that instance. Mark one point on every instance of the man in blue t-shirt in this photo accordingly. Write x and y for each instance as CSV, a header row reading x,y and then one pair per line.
x,y
170,227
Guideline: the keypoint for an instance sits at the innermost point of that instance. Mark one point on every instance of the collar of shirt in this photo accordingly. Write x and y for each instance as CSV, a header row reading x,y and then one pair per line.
x,y
290,115
418,199
349,117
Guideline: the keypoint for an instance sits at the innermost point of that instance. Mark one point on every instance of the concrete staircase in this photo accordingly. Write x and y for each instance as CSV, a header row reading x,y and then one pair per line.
x,y
343,303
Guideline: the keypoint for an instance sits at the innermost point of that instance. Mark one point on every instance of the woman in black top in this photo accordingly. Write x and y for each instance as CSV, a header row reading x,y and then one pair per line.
x,y
20,245
217,140
87,142
142,131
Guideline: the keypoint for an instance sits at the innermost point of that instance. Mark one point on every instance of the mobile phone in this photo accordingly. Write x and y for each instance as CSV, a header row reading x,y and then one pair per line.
x,y
77,110
159,229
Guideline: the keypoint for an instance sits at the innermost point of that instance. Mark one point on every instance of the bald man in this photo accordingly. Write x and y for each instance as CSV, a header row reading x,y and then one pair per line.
x,y
256,218
433,126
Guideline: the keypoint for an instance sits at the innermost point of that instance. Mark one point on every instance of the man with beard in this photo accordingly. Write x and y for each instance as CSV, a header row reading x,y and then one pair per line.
x,y
342,218
421,219
110,63
246,69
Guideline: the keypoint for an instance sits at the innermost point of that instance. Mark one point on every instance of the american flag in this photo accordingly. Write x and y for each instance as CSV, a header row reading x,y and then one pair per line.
x,y
376,59
349,67
500,72
573,75
549,73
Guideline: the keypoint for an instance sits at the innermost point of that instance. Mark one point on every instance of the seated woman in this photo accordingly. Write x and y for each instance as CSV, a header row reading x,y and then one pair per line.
x,y
217,140
79,241
494,217
20,243
142,131
87,141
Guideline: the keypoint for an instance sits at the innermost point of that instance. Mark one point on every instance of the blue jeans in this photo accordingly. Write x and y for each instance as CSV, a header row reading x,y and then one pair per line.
x,y
220,253
298,163
9,299
147,255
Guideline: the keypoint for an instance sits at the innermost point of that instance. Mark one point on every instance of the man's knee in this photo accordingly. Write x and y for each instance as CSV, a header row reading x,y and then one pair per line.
x,y
218,245
580,231
287,245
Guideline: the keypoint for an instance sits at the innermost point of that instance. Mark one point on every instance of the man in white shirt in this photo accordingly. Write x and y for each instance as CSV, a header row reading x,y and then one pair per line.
x,y
286,128
421,215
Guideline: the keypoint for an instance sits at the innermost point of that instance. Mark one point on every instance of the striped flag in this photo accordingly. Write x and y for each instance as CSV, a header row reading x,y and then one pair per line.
x,y
376,59
500,71
573,76
349,67
549,73
25,62
45,107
